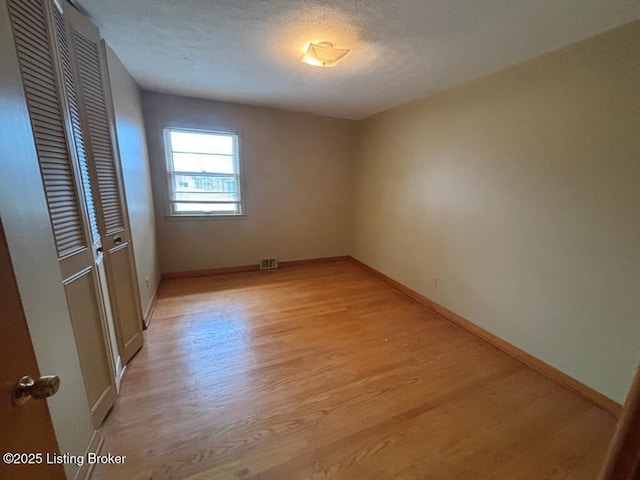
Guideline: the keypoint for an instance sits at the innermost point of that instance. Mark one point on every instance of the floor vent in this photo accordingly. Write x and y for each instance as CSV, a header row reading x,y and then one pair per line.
x,y
267,263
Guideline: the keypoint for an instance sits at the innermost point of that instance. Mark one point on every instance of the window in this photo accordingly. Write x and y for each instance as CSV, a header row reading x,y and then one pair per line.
x,y
203,173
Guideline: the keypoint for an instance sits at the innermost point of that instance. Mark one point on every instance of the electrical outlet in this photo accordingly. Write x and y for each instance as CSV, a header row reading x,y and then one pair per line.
x,y
147,281
435,281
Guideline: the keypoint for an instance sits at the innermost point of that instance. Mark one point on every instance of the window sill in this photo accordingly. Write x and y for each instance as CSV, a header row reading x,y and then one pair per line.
x,y
188,218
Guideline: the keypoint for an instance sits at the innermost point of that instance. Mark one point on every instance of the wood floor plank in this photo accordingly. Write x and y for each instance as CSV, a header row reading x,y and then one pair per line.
x,y
325,372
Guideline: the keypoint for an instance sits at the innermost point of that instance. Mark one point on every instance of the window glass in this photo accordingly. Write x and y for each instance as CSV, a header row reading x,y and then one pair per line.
x,y
203,174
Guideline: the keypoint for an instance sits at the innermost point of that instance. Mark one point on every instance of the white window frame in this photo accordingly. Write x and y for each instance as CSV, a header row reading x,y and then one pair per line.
x,y
170,172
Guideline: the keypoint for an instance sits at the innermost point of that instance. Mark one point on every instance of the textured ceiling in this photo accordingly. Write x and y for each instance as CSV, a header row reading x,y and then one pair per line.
x,y
248,51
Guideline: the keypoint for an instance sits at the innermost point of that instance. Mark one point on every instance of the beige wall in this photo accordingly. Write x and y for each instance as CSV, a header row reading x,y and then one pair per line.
x,y
297,185
25,217
132,143
521,193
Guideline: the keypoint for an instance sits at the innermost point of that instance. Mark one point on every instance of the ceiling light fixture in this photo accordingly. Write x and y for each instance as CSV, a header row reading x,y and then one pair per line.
x,y
323,54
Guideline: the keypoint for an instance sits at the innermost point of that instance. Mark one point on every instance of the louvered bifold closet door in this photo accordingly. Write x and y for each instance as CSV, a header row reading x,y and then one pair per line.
x,y
101,146
43,57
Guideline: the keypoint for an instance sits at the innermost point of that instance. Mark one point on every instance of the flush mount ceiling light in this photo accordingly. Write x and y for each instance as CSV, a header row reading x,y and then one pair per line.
x,y
323,54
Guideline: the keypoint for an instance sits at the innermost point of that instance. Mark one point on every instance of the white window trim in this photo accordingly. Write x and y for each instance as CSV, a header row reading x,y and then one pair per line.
x,y
167,172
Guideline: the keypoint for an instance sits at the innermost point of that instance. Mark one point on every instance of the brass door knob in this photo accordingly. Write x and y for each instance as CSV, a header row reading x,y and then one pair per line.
x,y
117,240
28,388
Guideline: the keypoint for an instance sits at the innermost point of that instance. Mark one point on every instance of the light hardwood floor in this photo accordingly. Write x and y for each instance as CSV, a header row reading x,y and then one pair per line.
x,y
326,372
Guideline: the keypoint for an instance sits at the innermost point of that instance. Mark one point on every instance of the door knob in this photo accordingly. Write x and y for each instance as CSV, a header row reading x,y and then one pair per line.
x,y
28,388
117,240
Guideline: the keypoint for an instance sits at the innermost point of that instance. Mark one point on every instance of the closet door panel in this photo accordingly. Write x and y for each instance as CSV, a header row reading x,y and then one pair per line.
x,y
130,331
88,329
36,30
101,145
95,240
90,311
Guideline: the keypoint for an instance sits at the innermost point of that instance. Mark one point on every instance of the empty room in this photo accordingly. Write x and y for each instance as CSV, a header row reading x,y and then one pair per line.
x,y
319,239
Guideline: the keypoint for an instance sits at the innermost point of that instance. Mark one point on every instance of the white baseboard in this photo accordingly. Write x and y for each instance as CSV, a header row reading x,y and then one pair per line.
x,y
95,446
119,373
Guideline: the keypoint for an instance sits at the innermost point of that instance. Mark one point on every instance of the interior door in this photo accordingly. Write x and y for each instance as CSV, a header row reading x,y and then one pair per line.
x,y
25,428
623,458
101,144
39,37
